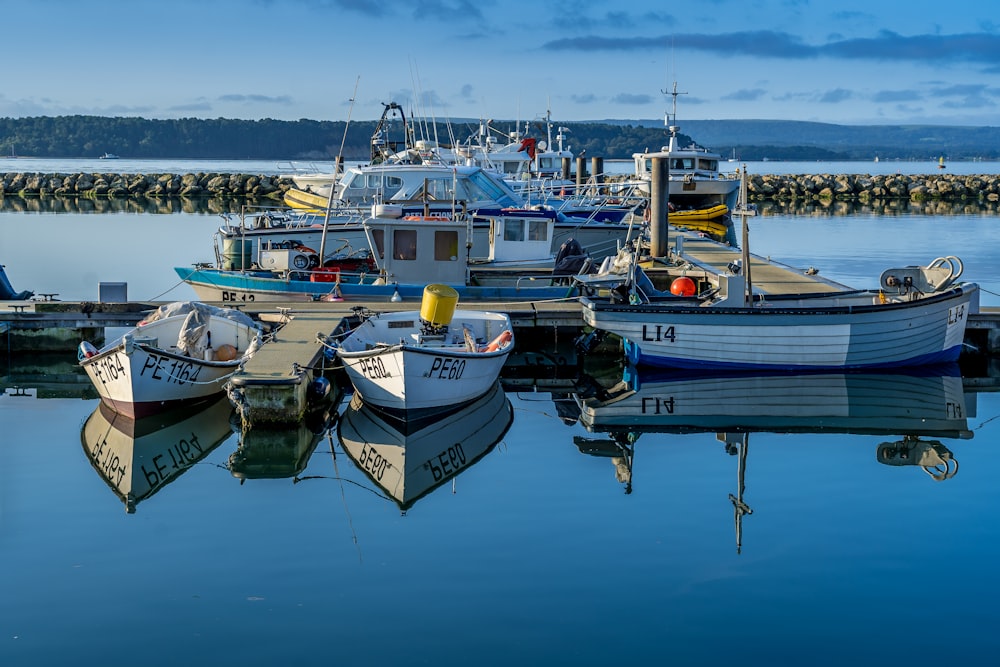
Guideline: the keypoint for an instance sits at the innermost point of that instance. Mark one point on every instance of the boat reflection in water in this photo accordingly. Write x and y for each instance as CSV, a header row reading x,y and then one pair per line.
x,y
274,453
917,408
138,457
410,458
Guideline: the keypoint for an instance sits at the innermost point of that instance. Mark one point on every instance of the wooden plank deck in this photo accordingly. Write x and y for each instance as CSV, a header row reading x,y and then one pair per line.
x,y
767,275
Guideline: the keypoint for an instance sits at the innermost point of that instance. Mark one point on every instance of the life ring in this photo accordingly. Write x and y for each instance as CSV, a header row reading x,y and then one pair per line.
x,y
500,341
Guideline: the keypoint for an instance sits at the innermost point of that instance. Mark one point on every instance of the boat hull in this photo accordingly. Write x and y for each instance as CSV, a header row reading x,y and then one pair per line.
x,y
600,238
143,374
800,337
391,366
241,287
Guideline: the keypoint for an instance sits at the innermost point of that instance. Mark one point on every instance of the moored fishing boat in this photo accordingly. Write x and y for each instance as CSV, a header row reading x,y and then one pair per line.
x,y
695,180
917,316
417,362
182,353
428,189
411,252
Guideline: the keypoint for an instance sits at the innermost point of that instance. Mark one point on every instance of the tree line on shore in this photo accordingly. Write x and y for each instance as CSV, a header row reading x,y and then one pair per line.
x,y
268,139
194,138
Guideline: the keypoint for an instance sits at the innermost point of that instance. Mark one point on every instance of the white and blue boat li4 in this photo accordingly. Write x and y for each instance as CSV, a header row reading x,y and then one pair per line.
x,y
917,316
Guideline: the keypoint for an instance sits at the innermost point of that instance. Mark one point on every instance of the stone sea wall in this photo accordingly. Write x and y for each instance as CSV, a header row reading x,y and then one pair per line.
x,y
761,187
864,187
144,185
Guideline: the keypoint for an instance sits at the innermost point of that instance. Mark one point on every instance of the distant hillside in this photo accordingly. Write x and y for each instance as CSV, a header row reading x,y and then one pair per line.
x,y
753,138
91,136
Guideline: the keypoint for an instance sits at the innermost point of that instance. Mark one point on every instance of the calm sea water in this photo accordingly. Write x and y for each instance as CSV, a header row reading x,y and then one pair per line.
x,y
816,520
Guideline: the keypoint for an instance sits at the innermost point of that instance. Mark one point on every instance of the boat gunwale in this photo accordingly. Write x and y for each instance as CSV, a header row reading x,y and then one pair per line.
x,y
665,306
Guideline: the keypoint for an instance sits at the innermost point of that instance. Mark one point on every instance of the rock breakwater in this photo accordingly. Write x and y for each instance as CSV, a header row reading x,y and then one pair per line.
x,y
202,184
761,187
865,187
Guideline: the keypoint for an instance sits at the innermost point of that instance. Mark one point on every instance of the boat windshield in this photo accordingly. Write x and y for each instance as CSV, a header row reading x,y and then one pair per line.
x,y
359,187
491,188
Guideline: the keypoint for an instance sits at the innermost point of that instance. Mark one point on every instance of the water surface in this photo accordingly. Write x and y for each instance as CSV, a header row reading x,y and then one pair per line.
x,y
815,521
562,544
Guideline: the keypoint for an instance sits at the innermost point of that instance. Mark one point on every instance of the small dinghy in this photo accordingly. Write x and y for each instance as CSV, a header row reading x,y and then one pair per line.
x,y
427,360
182,353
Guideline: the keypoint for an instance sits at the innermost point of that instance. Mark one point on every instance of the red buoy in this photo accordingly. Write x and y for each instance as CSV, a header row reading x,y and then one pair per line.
x,y
682,286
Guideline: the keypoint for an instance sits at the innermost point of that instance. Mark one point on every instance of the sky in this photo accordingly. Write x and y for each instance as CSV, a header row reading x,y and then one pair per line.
x,y
846,62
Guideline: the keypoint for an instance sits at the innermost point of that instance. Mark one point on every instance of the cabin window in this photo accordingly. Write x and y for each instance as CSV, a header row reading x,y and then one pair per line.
x,y
378,236
492,187
438,189
537,230
445,246
381,180
513,230
682,163
711,165
404,244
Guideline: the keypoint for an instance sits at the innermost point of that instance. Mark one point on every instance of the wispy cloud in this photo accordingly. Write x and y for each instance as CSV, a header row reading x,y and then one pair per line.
x,y
631,99
256,99
835,96
422,10
745,95
966,47
897,96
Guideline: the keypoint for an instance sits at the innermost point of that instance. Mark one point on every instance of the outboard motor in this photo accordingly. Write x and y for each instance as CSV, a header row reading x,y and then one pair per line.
x,y
570,259
936,276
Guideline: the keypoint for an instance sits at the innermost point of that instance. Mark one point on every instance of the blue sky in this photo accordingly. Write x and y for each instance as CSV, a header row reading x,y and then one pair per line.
x,y
885,61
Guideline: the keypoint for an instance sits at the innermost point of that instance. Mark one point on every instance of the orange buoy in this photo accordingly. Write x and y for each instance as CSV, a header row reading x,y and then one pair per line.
x,y
683,286
499,341
225,352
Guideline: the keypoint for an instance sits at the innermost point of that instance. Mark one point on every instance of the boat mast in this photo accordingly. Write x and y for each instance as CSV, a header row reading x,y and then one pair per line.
x,y
336,175
548,129
745,210
670,119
